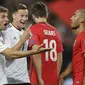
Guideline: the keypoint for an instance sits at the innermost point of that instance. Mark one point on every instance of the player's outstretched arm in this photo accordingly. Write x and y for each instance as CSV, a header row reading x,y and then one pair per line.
x,y
12,54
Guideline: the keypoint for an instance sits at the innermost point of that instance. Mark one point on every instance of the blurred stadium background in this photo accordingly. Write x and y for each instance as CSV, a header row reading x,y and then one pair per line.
x,y
60,12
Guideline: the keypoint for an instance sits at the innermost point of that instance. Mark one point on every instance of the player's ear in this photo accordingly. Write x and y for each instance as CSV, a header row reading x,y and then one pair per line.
x,y
13,15
81,20
33,16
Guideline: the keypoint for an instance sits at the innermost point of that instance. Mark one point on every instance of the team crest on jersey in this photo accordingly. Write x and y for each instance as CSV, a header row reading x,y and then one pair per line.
x,y
15,38
74,43
32,41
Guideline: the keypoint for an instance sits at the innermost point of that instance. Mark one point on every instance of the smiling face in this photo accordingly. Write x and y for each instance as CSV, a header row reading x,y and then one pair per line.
x,y
3,20
20,18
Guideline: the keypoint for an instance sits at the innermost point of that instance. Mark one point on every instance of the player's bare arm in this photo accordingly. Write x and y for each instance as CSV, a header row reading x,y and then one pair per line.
x,y
12,53
59,62
38,65
65,73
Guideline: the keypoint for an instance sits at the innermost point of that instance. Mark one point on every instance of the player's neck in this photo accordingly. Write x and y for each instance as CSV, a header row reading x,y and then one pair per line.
x,y
81,28
16,26
41,20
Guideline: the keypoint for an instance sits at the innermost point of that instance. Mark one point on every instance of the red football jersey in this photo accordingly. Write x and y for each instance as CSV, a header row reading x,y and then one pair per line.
x,y
78,58
47,34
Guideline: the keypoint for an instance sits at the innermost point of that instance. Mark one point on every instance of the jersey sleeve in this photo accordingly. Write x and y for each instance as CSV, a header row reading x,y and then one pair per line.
x,y
59,44
2,46
83,44
8,38
34,40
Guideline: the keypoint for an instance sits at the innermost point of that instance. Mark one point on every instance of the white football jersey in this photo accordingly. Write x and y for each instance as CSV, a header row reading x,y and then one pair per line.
x,y
3,46
16,69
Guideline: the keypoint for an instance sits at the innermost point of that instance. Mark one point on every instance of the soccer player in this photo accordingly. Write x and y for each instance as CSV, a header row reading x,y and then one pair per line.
x,y
78,24
16,69
13,52
45,68
68,70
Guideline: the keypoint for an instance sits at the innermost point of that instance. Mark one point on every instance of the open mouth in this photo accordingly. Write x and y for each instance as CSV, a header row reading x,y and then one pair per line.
x,y
5,24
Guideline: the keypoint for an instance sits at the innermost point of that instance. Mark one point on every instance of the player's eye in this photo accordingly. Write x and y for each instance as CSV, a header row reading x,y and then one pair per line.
x,y
22,15
26,16
3,16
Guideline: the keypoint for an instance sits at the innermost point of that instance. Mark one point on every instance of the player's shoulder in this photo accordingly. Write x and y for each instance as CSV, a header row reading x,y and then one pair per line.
x,y
9,30
36,28
9,27
35,25
82,33
53,28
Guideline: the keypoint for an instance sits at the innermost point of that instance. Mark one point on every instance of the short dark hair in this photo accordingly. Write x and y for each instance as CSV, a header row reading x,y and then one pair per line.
x,y
39,10
3,9
19,6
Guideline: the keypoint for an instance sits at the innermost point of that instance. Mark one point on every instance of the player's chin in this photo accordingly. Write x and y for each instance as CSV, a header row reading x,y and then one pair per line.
x,y
74,27
5,28
23,26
